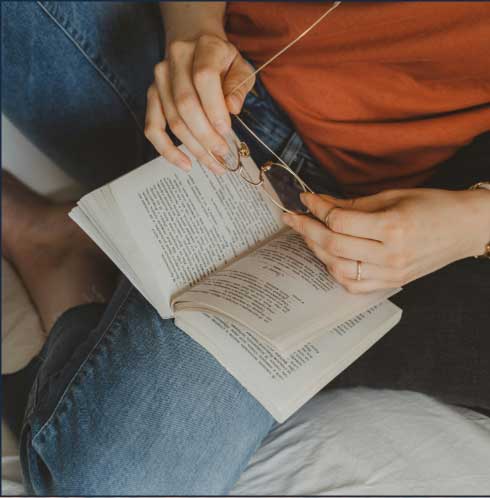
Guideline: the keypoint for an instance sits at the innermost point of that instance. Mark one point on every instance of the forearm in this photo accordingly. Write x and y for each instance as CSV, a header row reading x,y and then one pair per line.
x,y
189,20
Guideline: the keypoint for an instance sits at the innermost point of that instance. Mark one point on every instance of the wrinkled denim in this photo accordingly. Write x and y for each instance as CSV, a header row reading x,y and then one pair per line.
x,y
125,403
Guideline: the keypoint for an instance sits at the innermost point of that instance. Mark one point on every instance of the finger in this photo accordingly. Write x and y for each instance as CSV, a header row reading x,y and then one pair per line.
x,y
368,203
346,269
155,125
239,72
340,245
212,59
341,269
189,106
365,286
177,125
369,225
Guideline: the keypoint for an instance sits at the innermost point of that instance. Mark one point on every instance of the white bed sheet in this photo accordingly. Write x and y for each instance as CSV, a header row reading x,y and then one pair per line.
x,y
368,442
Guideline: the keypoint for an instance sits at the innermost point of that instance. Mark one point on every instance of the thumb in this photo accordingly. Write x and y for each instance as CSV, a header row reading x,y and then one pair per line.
x,y
350,203
237,83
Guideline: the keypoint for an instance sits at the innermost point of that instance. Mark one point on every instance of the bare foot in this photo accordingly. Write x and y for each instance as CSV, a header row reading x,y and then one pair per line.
x,y
59,265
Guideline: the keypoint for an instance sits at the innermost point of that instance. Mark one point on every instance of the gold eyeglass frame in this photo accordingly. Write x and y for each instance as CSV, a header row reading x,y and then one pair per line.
x,y
243,151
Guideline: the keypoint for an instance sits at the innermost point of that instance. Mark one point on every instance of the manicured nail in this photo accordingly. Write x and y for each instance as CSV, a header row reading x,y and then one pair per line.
x,y
234,103
215,168
184,164
219,171
304,197
222,127
220,150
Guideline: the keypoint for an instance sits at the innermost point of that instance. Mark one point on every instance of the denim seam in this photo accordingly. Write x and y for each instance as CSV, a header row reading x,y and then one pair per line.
x,y
300,164
263,131
56,373
255,124
80,368
290,151
101,72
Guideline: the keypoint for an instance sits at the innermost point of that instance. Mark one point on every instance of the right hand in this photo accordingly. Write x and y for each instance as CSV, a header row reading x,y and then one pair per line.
x,y
192,94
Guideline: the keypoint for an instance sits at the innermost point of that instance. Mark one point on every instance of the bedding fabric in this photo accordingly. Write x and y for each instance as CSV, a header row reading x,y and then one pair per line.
x,y
22,334
367,442
361,442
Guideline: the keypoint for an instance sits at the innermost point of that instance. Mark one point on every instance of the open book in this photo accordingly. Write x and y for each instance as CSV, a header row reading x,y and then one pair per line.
x,y
212,252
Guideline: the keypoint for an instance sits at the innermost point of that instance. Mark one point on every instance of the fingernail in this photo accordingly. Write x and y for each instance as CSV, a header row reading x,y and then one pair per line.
x,y
219,171
220,150
287,218
304,197
185,165
216,169
235,103
222,127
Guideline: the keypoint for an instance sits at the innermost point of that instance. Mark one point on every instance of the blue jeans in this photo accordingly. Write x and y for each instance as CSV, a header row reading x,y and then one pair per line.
x,y
124,402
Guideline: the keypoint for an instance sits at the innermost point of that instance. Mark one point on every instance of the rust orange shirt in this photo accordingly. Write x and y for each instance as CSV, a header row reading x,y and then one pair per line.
x,y
380,92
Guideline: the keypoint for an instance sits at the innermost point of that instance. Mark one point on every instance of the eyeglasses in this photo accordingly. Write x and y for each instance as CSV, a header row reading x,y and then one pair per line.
x,y
279,182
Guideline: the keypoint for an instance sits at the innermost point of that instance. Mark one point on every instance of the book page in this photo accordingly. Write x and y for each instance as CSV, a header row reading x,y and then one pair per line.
x,y
190,224
282,384
281,291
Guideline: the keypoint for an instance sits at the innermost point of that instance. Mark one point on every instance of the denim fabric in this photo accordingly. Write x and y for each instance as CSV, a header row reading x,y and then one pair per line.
x,y
127,404
74,80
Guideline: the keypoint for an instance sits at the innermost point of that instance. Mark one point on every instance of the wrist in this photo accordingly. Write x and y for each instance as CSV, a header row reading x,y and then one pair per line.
x,y
201,18
192,33
477,218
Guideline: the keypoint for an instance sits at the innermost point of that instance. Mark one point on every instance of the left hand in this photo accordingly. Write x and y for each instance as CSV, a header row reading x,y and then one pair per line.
x,y
397,235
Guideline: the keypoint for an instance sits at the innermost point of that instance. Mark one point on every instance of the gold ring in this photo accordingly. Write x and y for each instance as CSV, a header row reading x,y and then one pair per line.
x,y
358,276
329,212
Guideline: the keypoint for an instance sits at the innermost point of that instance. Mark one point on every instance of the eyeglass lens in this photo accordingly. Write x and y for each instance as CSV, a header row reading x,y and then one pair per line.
x,y
280,184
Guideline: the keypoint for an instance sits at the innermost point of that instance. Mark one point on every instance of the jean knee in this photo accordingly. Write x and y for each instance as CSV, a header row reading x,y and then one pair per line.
x,y
149,411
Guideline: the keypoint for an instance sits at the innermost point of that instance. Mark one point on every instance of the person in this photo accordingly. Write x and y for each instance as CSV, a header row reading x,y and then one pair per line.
x,y
384,109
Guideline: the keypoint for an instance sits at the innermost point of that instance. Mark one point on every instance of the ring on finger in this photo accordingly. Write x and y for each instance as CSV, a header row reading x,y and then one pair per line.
x,y
327,216
359,271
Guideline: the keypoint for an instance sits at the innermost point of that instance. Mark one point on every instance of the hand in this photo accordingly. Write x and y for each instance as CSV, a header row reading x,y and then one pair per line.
x,y
397,235
192,94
